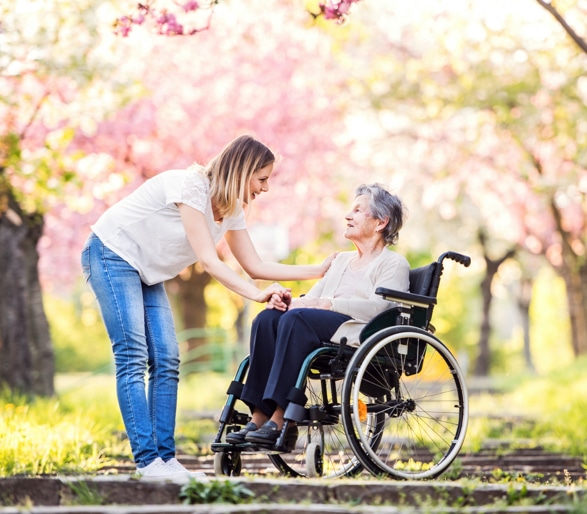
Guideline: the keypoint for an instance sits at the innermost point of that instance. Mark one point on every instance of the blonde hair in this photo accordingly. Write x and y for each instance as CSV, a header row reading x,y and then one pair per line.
x,y
231,170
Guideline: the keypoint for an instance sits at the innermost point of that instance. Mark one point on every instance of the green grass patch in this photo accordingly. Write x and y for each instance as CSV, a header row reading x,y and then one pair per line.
x,y
45,437
548,411
81,430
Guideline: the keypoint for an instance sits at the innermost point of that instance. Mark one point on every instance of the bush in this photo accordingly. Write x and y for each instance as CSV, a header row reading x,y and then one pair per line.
x,y
79,338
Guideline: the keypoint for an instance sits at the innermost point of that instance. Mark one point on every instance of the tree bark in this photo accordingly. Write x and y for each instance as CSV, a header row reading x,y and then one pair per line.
x,y
573,270
189,287
524,298
27,362
483,361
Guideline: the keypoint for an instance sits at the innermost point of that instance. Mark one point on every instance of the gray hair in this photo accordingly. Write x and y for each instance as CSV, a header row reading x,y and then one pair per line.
x,y
384,206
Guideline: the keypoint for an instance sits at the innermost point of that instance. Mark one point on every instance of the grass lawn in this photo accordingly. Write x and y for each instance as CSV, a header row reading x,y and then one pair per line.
x,y
80,430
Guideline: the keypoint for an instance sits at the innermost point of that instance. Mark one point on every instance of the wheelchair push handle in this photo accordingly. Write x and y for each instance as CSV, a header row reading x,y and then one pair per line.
x,y
465,260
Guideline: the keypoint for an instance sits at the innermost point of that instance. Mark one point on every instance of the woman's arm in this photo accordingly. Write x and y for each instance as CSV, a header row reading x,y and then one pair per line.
x,y
241,246
203,245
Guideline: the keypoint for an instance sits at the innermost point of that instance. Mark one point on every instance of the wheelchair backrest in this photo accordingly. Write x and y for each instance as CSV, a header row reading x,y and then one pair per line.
x,y
423,281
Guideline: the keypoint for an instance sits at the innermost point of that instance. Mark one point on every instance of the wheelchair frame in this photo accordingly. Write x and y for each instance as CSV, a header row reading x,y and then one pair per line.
x,y
401,398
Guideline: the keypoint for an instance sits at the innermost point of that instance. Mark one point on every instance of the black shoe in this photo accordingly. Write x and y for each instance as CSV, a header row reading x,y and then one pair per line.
x,y
268,435
238,437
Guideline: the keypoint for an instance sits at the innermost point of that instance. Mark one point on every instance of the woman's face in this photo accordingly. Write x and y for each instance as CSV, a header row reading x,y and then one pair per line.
x,y
259,183
360,224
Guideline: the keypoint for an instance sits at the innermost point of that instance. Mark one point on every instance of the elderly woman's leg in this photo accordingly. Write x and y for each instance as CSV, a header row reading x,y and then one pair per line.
x,y
299,332
262,346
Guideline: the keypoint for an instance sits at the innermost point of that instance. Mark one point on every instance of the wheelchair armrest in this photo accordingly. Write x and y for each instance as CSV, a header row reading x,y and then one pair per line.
x,y
416,300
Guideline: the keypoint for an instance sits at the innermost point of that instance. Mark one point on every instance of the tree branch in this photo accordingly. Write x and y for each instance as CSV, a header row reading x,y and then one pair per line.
x,y
581,43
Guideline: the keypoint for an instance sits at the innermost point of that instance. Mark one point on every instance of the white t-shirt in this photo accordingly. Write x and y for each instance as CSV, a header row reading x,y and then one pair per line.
x,y
146,230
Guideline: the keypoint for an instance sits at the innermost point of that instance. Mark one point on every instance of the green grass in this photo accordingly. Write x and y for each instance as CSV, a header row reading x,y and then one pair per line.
x,y
81,431
548,411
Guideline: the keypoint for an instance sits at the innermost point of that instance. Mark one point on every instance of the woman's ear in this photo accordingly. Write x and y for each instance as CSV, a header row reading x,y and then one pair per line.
x,y
381,224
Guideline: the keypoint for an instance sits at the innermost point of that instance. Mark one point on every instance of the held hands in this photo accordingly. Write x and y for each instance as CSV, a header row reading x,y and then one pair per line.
x,y
280,301
286,302
274,289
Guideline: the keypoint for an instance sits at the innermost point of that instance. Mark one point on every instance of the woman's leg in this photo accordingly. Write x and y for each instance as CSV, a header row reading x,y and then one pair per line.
x,y
299,333
119,292
163,366
263,337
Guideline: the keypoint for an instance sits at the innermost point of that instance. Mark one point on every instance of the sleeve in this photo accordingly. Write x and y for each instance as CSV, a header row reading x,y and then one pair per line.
x,y
335,270
195,190
393,273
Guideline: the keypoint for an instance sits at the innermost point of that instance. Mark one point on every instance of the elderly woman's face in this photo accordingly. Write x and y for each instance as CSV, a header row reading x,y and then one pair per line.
x,y
360,224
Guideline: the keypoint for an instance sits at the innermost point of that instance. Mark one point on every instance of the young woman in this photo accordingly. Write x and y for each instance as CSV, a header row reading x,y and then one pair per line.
x,y
171,221
338,306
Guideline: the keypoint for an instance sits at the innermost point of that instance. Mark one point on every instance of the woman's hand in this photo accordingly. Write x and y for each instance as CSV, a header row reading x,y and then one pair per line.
x,y
274,289
327,262
279,301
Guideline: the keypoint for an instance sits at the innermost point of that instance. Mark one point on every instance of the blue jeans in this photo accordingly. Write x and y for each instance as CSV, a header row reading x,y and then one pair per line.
x,y
140,326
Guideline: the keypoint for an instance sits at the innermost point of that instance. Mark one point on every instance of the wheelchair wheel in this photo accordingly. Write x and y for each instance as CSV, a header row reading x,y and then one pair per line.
x,y
323,431
412,382
227,464
314,460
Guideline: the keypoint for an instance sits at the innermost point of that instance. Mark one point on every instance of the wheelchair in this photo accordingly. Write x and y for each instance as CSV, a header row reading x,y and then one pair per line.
x,y
396,405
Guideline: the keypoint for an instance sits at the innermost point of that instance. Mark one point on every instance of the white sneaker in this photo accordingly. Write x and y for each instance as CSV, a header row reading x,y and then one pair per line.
x,y
159,470
180,468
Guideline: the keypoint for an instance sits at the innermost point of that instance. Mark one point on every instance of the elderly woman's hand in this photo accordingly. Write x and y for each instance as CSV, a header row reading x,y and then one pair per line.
x,y
273,289
279,301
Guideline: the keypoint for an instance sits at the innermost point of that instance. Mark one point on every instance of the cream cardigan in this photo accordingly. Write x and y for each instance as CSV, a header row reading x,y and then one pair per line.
x,y
389,269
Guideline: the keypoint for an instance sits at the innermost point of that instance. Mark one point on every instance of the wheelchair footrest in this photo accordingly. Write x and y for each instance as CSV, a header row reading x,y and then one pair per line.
x,y
244,448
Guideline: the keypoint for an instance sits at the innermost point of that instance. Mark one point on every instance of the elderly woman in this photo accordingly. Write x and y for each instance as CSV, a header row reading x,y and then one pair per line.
x,y
339,305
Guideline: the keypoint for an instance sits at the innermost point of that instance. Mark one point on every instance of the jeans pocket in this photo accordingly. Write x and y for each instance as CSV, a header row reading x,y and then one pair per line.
x,y
86,269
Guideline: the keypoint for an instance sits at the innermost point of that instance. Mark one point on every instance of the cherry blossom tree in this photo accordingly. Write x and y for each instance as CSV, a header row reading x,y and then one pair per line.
x,y
192,17
245,76
488,111
49,86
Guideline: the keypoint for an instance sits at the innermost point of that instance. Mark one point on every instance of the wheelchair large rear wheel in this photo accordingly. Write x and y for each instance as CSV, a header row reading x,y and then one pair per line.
x,y
322,448
409,377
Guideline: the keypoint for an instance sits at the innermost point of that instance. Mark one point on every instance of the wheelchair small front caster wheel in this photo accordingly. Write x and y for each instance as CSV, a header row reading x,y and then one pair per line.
x,y
314,461
227,464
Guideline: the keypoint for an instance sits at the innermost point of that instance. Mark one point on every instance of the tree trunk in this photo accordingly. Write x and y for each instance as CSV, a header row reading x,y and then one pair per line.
x,y
573,270
189,288
26,353
524,298
576,286
483,362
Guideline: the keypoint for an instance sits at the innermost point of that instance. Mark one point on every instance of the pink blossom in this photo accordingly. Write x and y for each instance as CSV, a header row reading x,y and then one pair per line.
x,y
190,5
123,26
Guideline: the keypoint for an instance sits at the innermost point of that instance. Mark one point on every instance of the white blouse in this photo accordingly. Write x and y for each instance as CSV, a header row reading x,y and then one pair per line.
x,y
146,230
